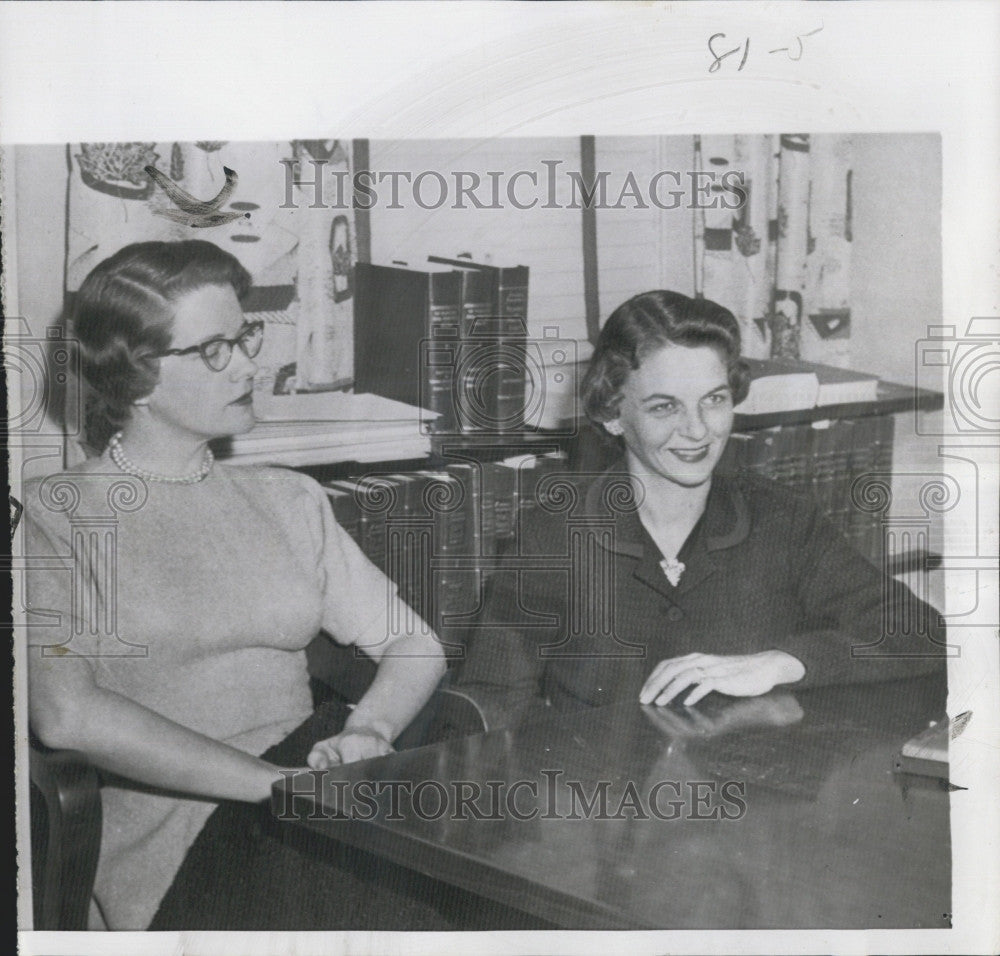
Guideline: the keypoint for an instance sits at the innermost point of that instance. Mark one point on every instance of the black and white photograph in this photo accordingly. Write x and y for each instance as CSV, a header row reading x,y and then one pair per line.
x,y
555,503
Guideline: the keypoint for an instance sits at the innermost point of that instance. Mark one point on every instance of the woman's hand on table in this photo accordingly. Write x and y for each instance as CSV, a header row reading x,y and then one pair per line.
x,y
352,743
739,675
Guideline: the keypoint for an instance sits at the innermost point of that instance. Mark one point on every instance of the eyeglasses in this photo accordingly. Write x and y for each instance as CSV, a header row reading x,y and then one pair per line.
x,y
217,352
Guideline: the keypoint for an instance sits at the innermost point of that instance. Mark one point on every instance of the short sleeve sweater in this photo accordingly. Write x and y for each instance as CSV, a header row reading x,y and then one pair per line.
x,y
196,601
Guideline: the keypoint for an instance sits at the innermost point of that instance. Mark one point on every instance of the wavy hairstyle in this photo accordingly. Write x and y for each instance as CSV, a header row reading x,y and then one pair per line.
x,y
646,323
123,314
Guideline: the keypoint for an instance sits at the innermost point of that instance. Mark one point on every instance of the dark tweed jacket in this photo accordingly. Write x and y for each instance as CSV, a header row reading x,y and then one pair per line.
x,y
584,612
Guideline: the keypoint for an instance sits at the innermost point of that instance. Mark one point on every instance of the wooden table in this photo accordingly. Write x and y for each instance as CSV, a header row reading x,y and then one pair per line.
x,y
775,812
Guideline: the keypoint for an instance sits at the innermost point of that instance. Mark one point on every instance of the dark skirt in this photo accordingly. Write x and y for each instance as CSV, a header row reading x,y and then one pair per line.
x,y
248,871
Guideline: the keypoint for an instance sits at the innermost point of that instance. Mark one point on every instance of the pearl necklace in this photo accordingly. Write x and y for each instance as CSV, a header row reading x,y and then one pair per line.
x,y
125,464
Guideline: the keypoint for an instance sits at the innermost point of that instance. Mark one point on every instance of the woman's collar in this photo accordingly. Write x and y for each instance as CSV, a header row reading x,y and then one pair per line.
x,y
725,523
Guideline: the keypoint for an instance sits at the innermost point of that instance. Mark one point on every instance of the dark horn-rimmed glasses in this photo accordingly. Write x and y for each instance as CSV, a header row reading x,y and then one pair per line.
x,y
217,352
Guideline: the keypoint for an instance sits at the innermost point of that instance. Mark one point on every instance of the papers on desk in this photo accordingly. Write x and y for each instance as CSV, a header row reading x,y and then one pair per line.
x,y
326,427
327,407
787,392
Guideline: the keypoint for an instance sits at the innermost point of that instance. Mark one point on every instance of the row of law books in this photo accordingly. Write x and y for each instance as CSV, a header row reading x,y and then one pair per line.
x,y
447,335
436,533
823,460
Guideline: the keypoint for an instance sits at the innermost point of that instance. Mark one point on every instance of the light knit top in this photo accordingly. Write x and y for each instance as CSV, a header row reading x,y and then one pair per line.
x,y
196,601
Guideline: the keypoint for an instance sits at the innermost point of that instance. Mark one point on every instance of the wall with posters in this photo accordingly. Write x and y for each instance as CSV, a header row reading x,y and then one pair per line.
x,y
895,267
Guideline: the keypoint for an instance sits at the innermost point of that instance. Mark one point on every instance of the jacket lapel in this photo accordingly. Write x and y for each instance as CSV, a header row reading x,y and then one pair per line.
x,y
725,523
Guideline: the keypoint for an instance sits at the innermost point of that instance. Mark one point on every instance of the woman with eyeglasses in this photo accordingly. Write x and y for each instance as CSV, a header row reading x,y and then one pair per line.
x,y
174,664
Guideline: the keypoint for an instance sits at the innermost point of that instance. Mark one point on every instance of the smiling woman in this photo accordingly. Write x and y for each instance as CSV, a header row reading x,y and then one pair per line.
x,y
664,379
676,437
683,581
178,660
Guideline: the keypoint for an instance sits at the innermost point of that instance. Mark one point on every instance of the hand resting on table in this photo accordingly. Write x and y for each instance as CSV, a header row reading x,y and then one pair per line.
x,y
739,675
351,744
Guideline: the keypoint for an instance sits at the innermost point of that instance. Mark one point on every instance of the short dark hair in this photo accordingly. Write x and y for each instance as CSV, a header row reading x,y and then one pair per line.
x,y
123,314
647,322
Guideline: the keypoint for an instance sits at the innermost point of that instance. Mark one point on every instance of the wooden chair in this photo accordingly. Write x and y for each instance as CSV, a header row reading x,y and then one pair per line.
x,y
65,812
449,713
339,673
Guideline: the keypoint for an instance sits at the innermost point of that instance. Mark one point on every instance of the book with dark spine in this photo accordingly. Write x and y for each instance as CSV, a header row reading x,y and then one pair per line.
x,y
402,537
831,479
844,439
790,459
475,382
470,477
871,454
492,383
406,336
453,592
471,530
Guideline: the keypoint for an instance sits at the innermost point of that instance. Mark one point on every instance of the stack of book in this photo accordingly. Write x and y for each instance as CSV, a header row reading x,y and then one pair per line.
x,y
436,534
789,385
449,336
324,427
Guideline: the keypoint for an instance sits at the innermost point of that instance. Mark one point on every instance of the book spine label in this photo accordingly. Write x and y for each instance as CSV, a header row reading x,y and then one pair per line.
x,y
470,478
453,591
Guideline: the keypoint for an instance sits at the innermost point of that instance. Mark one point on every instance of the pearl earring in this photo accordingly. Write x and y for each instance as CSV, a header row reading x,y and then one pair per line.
x,y
141,401
613,427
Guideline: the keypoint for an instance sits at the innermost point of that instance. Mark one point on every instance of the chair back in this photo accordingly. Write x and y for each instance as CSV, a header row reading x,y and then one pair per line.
x,y
65,811
449,713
